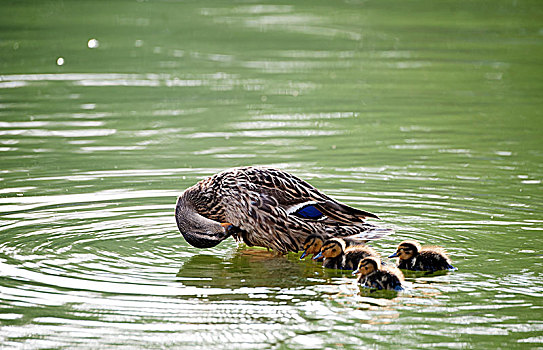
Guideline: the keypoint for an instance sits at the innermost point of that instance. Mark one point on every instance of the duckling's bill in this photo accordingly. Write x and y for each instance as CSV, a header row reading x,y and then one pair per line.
x,y
318,256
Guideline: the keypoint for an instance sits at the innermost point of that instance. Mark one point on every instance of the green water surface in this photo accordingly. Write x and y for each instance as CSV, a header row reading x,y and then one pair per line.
x,y
427,113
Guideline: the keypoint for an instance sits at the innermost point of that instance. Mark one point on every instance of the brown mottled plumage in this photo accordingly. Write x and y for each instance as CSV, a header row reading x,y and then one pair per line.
x,y
412,256
265,207
375,276
338,256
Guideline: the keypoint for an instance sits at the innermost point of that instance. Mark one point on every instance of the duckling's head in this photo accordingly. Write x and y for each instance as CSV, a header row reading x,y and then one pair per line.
x,y
331,248
312,245
367,266
406,250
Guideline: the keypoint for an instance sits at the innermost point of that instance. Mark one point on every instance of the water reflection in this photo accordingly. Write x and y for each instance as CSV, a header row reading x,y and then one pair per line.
x,y
215,80
426,119
121,275
245,268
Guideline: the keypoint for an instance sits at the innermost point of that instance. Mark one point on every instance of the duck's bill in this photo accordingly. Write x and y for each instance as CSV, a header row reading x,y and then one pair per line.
x,y
356,272
304,254
318,256
395,255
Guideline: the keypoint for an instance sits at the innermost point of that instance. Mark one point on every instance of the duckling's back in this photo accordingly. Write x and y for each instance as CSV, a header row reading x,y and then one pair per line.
x,y
433,259
385,278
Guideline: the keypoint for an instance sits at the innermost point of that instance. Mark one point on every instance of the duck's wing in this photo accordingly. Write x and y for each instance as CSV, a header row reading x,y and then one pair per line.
x,y
277,210
263,222
299,197
342,212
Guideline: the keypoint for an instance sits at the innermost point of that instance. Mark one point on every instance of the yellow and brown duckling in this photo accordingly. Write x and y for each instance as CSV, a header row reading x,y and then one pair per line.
x,y
314,243
375,276
412,256
338,256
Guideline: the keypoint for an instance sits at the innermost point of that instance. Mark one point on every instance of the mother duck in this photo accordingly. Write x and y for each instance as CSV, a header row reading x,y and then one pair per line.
x,y
265,207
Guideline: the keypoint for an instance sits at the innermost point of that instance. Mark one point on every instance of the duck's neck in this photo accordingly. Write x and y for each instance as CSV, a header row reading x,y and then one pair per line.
x,y
197,230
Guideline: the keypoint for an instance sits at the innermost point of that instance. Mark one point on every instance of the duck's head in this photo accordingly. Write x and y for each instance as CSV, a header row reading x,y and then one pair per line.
x,y
198,231
331,248
312,245
406,250
367,266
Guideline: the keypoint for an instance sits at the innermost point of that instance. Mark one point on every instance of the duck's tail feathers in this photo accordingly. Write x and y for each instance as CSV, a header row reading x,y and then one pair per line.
x,y
373,233
342,212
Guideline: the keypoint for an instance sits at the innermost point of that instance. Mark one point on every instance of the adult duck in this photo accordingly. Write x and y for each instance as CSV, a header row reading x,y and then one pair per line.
x,y
265,207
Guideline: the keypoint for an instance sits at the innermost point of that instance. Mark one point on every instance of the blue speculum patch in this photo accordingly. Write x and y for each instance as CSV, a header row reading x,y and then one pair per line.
x,y
309,212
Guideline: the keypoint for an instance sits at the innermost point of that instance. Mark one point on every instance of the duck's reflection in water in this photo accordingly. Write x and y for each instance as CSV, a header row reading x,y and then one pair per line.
x,y
246,267
374,293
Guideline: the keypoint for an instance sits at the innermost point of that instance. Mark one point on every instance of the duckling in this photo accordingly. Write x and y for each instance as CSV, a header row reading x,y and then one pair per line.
x,y
338,256
412,256
314,243
373,275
